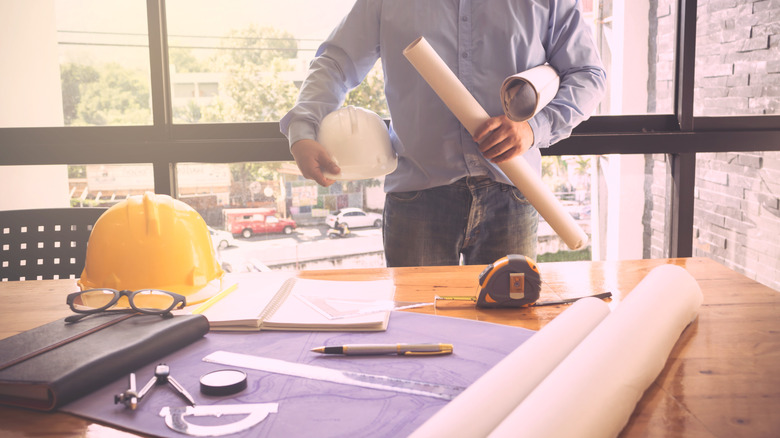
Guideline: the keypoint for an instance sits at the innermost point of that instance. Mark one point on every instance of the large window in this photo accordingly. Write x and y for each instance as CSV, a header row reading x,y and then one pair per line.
x,y
106,99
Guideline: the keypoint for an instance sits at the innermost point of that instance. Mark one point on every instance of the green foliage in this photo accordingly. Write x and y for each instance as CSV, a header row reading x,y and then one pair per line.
x,y
258,170
250,58
258,46
257,97
370,94
184,61
555,172
191,113
565,256
583,164
72,77
77,171
105,95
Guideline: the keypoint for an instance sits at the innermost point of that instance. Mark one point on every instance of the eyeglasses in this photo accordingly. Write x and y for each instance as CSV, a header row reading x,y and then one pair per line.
x,y
147,301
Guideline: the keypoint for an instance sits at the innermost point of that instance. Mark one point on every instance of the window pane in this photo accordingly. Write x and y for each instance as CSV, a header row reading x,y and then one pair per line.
x,y
570,178
737,58
243,60
28,187
638,53
75,62
253,56
58,186
104,62
270,217
103,185
737,212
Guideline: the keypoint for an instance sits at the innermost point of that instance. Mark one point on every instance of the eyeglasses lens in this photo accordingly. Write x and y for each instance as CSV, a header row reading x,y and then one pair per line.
x,y
94,299
153,300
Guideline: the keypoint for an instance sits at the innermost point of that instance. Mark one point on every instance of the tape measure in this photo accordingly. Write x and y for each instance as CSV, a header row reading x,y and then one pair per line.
x,y
511,281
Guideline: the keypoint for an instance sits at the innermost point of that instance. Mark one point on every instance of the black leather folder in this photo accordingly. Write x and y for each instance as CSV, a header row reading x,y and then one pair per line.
x,y
53,364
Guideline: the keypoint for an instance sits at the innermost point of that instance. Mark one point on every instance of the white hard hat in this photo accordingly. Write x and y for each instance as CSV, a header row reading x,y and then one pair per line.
x,y
358,141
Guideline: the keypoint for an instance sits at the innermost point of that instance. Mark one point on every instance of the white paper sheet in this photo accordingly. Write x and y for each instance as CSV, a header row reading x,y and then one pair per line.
x,y
596,388
471,114
485,403
581,375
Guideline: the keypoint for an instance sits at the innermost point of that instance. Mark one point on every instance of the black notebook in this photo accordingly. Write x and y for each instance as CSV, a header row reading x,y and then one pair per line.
x,y
53,364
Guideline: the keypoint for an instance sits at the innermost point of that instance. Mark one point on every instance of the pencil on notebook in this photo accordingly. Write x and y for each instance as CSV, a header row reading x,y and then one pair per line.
x,y
202,308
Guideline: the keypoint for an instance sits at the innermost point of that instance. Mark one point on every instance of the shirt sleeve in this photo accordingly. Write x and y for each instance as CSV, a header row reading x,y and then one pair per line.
x,y
572,52
340,64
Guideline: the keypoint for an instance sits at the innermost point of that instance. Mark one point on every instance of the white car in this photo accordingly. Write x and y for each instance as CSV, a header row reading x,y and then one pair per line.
x,y
221,239
354,218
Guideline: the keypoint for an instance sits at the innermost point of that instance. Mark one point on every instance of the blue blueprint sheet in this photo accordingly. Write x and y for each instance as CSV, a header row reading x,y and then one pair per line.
x,y
309,408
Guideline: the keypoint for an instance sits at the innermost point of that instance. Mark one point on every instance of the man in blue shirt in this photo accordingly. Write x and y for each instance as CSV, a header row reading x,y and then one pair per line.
x,y
447,202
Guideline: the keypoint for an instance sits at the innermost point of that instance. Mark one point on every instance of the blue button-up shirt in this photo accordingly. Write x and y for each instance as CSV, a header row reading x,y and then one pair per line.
x,y
483,42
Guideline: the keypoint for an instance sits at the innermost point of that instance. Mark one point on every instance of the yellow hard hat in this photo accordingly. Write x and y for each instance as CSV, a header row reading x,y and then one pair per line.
x,y
151,242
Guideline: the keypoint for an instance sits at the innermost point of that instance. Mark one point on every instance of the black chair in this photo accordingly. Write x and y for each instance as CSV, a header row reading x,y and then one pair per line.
x,y
45,244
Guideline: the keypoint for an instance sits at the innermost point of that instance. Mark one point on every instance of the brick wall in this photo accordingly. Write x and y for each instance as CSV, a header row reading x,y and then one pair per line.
x,y
737,195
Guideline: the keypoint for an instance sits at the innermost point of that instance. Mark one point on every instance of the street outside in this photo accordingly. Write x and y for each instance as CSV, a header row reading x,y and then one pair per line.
x,y
307,247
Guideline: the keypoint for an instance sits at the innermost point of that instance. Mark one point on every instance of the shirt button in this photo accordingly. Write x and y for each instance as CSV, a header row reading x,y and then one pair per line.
x,y
465,55
464,18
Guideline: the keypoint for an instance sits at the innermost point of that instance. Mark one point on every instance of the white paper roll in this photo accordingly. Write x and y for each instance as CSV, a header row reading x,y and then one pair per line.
x,y
593,392
525,94
446,85
471,114
484,404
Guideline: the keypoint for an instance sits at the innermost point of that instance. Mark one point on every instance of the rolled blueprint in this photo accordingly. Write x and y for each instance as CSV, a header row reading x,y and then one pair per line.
x,y
483,405
471,114
593,392
526,93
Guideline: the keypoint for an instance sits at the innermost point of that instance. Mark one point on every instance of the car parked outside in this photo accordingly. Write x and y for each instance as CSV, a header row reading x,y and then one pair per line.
x,y
221,239
258,224
354,218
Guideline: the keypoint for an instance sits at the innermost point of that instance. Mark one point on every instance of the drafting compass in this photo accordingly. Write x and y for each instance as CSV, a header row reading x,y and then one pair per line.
x,y
162,375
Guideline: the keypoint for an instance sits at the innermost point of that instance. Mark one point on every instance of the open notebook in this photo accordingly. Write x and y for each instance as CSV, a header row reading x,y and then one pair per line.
x,y
280,301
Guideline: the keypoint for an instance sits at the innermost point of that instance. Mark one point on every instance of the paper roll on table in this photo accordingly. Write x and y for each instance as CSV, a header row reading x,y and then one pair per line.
x,y
483,405
471,114
593,380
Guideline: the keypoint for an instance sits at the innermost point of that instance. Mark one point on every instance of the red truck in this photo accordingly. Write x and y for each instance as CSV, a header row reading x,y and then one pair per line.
x,y
248,221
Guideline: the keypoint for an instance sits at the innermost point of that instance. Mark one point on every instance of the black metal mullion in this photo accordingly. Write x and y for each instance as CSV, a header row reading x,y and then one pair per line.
x,y
162,111
158,55
164,178
682,170
685,63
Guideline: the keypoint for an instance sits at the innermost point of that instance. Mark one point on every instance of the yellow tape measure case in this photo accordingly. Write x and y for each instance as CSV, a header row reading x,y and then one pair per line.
x,y
511,281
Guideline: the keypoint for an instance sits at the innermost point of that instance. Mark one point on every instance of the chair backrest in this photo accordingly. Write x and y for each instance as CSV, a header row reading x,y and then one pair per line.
x,y
44,244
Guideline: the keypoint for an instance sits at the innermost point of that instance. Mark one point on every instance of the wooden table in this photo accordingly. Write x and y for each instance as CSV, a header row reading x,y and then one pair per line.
x,y
721,379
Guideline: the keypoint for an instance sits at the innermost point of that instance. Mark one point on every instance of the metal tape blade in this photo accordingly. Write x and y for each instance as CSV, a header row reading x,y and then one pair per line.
x,y
386,383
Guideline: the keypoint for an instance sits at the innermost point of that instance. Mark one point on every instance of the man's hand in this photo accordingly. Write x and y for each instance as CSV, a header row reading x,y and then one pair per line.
x,y
312,159
501,139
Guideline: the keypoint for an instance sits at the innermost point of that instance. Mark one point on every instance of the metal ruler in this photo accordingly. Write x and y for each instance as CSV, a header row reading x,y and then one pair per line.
x,y
386,383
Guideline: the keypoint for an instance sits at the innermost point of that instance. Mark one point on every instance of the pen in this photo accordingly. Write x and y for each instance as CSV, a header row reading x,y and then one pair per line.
x,y
202,308
400,349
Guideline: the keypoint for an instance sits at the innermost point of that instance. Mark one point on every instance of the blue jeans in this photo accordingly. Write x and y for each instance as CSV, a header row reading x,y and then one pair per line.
x,y
474,217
